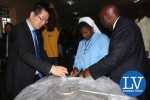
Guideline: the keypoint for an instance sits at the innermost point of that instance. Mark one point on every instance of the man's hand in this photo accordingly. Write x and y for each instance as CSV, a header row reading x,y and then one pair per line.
x,y
59,71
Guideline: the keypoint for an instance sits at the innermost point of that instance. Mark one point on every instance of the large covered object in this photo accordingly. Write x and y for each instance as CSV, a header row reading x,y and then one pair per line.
x,y
73,88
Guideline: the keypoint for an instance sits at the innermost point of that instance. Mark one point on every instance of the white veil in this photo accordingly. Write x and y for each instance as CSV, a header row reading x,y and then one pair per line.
x,y
91,22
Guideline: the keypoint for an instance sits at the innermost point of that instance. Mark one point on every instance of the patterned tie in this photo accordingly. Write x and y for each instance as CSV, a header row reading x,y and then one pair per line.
x,y
37,52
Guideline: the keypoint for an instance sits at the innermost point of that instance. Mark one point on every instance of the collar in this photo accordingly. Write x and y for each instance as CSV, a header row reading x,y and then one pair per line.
x,y
29,25
114,25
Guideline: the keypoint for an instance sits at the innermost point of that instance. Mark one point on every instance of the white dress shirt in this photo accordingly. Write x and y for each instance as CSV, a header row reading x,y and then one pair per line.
x,y
114,25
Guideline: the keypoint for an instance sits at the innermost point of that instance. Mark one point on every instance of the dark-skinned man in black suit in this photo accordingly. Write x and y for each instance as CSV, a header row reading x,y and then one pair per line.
x,y
25,58
126,49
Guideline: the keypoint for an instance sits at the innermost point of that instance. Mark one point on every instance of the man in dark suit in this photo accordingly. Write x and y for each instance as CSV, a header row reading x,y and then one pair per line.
x,y
126,49
25,57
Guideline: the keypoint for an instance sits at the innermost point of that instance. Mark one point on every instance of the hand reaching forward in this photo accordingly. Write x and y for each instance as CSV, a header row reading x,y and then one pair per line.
x,y
59,71
74,72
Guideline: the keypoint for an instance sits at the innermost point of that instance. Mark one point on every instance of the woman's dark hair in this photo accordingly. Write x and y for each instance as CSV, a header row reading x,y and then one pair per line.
x,y
81,25
52,21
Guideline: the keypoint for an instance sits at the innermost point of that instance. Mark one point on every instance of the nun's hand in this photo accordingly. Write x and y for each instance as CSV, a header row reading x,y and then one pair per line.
x,y
74,73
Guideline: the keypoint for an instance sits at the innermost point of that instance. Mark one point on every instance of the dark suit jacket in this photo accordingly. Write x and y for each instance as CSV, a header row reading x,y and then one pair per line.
x,y
126,52
3,44
22,62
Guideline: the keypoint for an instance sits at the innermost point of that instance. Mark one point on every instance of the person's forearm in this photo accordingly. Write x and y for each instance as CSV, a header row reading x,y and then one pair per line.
x,y
121,47
34,62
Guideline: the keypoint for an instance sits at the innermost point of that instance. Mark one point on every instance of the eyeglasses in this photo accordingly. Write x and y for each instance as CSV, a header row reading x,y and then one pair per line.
x,y
42,19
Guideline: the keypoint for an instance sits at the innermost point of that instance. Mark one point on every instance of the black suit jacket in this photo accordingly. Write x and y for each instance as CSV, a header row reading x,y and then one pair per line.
x,y
126,52
22,62
3,45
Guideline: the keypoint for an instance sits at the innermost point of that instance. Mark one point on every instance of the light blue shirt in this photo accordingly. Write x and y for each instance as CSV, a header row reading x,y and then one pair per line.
x,y
91,51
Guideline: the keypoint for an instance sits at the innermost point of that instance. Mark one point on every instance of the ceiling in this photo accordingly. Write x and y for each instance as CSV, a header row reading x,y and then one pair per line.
x,y
70,10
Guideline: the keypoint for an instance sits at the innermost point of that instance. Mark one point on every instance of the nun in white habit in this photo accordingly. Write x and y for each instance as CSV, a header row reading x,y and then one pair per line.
x,y
93,47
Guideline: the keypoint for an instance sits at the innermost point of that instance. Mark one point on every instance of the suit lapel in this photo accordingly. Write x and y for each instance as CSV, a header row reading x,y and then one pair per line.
x,y
28,33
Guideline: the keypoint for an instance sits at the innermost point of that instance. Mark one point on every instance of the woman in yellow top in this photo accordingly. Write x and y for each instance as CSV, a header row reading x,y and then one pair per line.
x,y
50,36
50,40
